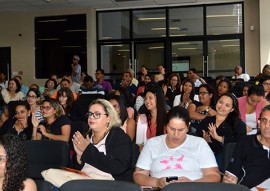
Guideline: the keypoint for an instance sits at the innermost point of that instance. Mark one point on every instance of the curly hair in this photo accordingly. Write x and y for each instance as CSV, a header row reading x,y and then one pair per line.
x,y
16,171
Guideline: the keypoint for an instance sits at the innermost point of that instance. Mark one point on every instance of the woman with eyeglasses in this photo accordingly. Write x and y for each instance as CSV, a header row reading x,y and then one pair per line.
x,y
55,126
20,124
224,127
33,98
71,108
128,124
205,107
250,166
106,150
13,165
250,107
50,87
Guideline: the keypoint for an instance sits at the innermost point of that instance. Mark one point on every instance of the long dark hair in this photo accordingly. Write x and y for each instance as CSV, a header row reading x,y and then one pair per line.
x,y
192,93
16,171
161,109
123,110
70,98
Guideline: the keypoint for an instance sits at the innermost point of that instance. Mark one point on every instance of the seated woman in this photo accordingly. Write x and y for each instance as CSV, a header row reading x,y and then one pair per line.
x,y
250,165
152,122
12,93
226,126
128,124
71,108
172,88
187,95
49,87
187,157
33,97
224,86
265,82
19,125
205,107
13,160
250,107
107,150
56,125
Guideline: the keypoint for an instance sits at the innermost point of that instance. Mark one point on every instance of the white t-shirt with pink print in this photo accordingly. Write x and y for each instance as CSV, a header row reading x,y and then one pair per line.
x,y
186,160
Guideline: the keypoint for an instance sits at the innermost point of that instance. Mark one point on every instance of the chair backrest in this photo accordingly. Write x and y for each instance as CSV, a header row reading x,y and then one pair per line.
x,y
227,155
85,99
204,186
99,185
45,154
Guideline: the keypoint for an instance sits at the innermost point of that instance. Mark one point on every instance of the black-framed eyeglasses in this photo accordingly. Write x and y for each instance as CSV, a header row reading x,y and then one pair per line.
x,y
96,115
203,93
31,97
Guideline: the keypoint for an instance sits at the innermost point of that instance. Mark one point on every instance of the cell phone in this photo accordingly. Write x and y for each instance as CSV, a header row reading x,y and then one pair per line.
x,y
170,178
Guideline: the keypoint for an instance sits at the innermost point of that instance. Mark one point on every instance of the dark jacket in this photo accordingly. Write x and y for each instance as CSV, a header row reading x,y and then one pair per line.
x,y
118,158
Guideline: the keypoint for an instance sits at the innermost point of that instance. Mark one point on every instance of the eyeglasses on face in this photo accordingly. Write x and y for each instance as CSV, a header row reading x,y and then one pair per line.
x,y
47,108
203,93
264,121
266,84
96,115
3,159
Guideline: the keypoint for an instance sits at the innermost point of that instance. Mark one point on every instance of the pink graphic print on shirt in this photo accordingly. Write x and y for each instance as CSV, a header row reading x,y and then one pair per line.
x,y
168,163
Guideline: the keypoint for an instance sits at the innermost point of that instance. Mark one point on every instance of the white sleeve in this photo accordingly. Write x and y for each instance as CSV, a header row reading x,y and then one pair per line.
x,y
141,131
177,99
206,156
145,160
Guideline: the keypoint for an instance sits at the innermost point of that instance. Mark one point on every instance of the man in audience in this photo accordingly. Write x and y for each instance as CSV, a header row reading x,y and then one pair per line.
x,y
100,80
134,80
74,86
65,83
24,89
238,73
192,74
89,87
76,69
250,163
126,82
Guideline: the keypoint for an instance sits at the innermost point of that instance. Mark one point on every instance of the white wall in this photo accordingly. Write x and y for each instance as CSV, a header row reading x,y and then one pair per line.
x,y
264,32
23,47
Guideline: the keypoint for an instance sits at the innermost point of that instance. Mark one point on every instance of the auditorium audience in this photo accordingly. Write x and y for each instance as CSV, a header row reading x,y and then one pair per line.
x,y
100,80
238,74
56,125
249,165
107,150
14,166
265,82
192,74
176,153
49,87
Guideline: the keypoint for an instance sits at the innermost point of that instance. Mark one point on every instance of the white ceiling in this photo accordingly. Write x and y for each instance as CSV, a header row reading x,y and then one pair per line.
x,y
7,6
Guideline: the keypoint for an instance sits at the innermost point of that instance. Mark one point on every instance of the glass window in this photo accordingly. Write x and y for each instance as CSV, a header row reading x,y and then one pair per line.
x,y
186,21
113,25
149,23
57,39
224,19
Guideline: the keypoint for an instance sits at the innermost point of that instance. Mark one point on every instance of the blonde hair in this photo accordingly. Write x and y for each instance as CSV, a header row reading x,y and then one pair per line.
x,y
110,111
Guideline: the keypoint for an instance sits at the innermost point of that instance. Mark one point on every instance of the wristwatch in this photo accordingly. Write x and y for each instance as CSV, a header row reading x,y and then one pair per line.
x,y
208,109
